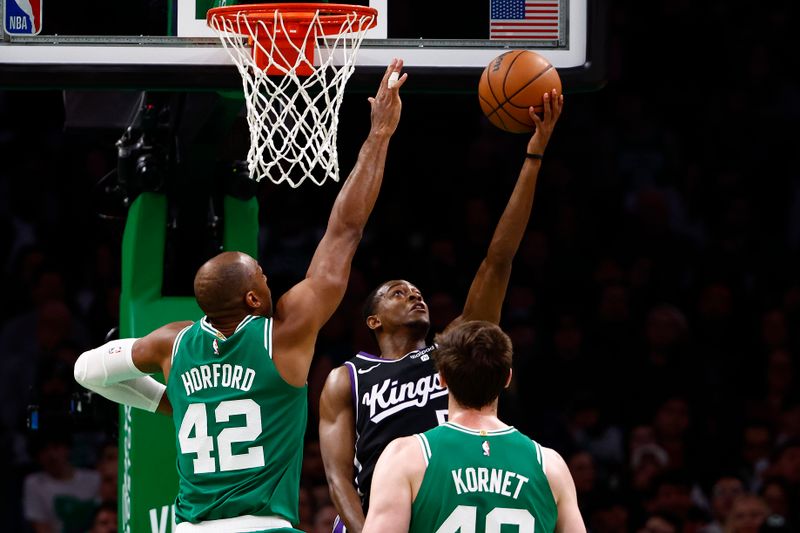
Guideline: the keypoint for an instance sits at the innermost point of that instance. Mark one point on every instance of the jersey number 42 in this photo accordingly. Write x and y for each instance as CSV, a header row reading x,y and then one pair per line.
x,y
202,444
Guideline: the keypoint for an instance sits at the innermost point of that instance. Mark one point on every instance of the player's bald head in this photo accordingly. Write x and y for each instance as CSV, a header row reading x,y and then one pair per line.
x,y
223,281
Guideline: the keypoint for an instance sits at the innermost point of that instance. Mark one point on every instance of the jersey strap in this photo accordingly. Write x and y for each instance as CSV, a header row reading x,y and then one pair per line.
x,y
425,446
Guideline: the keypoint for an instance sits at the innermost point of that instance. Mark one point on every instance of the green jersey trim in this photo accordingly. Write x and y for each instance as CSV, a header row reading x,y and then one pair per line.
x,y
268,338
425,446
177,342
480,432
206,325
244,322
540,455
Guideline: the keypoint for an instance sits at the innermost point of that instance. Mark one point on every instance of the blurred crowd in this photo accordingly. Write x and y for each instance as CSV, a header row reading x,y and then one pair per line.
x,y
654,305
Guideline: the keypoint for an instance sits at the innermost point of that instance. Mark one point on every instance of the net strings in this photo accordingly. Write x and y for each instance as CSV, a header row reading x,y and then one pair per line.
x,y
292,119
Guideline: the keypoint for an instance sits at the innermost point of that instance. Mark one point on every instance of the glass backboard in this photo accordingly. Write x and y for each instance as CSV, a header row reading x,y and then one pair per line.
x,y
166,44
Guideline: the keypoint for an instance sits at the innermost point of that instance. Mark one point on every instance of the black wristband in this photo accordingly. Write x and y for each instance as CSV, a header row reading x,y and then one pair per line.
x,y
534,156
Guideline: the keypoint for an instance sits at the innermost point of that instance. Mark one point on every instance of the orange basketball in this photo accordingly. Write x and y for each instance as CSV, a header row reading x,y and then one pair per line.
x,y
513,82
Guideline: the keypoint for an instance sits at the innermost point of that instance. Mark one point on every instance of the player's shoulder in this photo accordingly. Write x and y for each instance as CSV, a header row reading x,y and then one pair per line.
x,y
404,448
338,387
163,338
172,329
554,466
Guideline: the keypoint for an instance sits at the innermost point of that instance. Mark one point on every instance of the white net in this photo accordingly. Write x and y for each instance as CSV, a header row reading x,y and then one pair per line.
x,y
292,117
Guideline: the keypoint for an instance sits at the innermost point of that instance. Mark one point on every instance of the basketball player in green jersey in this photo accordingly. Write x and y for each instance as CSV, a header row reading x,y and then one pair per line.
x,y
474,474
236,379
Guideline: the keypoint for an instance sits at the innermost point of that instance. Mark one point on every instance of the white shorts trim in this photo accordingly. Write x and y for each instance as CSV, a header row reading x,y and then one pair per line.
x,y
238,524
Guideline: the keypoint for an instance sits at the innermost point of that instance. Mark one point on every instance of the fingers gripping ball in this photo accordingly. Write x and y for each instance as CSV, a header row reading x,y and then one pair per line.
x,y
513,82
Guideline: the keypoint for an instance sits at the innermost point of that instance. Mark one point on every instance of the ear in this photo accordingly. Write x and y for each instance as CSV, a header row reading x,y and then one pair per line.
x,y
373,322
510,375
441,380
252,300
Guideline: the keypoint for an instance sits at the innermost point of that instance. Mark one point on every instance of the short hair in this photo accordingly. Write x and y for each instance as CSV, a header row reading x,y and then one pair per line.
x,y
231,281
371,302
475,359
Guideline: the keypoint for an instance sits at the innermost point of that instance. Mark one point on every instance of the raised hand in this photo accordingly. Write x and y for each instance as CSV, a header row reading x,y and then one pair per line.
x,y
553,104
386,104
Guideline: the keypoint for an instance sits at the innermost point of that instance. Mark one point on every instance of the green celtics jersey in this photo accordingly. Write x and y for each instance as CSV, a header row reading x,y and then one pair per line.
x,y
240,426
482,482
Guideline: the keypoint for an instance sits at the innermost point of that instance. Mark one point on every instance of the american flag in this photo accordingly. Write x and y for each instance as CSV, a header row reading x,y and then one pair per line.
x,y
524,19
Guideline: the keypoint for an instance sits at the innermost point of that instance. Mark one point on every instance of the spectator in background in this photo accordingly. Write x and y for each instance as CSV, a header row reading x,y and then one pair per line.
x,y
666,361
672,494
59,498
671,424
609,516
748,514
105,518
778,385
757,442
108,472
32,346
648,460
724,491
661,523
592,432
775,492
584,473
785,465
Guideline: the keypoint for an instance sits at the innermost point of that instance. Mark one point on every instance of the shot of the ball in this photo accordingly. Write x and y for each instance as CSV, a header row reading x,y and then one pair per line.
x,y
393,77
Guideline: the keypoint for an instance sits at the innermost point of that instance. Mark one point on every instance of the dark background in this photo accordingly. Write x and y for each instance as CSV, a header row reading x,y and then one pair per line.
x,y
654,303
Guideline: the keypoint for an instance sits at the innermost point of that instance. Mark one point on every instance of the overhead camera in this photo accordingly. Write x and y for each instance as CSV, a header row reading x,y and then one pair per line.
x,y
144,159
142,154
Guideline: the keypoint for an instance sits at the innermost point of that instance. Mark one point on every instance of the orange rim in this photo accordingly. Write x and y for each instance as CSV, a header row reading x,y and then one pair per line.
x,y
331,16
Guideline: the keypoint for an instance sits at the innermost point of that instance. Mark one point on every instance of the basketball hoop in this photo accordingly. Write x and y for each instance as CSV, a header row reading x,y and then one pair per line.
x,y
293,105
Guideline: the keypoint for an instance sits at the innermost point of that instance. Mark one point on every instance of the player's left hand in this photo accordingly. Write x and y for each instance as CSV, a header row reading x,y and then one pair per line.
x,y
553,104
386,104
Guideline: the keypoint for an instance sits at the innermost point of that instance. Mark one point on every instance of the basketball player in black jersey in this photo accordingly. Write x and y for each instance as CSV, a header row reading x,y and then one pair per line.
x,y
371,400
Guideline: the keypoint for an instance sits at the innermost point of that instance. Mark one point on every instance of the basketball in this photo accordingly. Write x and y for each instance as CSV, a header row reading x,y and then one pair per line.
x,y
513,82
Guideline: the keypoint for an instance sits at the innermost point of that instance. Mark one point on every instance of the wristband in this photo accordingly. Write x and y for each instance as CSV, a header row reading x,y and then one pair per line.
x,y
534,156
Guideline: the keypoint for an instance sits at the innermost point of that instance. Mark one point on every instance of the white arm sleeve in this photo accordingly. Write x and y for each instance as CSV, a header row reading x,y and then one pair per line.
x,y
110,372
143,393
110,363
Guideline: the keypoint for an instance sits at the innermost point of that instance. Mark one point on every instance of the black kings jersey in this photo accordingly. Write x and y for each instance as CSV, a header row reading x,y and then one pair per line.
x,y
392,398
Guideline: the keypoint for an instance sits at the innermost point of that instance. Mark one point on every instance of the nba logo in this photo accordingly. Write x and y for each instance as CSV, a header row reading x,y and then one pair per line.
x,y
23,17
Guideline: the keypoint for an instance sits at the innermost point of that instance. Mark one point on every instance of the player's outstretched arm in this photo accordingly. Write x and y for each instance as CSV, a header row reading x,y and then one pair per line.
x,y
337,442
118,370
488,289
397,478
563,487
305,308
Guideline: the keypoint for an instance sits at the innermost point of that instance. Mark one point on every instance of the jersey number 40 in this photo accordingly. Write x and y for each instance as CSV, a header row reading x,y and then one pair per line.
x,y
464,517
202,443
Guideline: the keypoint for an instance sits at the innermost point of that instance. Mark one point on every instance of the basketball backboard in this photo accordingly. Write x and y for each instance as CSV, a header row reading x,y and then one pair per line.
x,y
166,44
